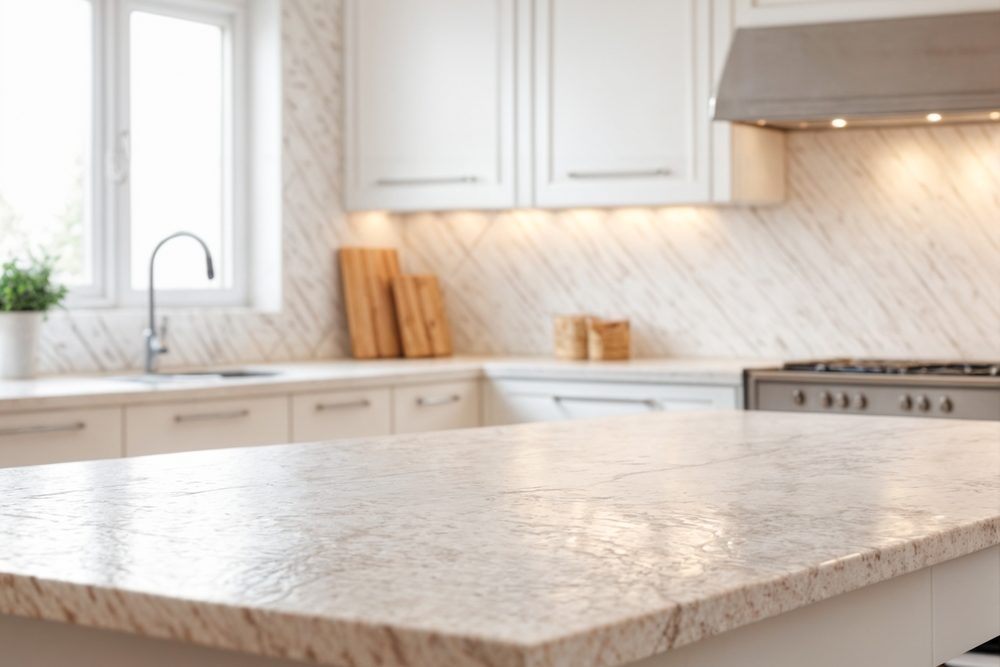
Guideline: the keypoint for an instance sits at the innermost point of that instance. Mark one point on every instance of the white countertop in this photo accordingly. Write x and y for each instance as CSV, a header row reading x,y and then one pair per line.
x,y
85,391
575,544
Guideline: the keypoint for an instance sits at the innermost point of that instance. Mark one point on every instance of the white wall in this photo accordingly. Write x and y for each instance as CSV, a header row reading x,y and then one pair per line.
x,y
889,245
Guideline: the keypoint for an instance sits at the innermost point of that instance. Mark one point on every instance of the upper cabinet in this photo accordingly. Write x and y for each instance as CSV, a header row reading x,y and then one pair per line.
x,y
618,112
789,12
430,115
493,104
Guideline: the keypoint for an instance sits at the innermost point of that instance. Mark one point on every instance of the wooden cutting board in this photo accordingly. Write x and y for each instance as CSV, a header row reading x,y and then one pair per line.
x,y
367,274
423,325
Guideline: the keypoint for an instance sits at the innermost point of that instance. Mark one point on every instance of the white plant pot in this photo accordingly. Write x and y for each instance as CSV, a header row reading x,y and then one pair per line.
x,y
19,334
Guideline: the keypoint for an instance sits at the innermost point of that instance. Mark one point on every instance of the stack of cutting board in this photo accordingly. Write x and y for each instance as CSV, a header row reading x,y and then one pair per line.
x,y
389,314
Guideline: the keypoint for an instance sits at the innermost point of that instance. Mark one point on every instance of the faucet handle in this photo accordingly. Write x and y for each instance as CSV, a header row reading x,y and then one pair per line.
x,y
162,335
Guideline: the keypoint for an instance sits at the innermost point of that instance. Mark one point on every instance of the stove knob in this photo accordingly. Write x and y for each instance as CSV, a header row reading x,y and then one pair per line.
x,y
905,402
860,401
923,403
946,405
842,400
798,397
825,399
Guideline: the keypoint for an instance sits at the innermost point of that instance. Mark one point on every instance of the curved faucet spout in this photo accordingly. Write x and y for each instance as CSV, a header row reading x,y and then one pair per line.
x,y
153,346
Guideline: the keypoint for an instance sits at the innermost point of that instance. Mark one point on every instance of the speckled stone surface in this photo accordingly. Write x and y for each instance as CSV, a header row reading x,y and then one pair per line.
x,y
572,544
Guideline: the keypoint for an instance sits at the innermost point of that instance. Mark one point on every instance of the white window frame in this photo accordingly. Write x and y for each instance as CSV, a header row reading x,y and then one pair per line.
x,y
108,183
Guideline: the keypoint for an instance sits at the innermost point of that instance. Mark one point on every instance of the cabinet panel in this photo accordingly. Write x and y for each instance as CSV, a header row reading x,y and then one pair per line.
x,y
788,12
519,401
430,104
436,407
35,438
181,427
621,102
341,414
966,598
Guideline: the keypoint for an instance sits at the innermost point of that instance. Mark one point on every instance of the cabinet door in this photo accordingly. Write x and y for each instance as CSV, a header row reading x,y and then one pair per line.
x,y
519,401
788,12
430,104
35,438
341,414
436,407
622,102
182,427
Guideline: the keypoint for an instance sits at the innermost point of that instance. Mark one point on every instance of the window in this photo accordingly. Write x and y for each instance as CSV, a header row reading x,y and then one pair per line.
x,y
120,123
46,135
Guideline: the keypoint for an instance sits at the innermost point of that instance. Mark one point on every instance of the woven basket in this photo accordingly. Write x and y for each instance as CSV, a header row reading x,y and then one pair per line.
x,y
608,340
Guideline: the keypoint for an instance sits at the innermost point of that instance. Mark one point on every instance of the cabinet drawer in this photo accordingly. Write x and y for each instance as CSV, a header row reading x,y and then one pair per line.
x,y
55,437
436,407
341,414
518,401
181,427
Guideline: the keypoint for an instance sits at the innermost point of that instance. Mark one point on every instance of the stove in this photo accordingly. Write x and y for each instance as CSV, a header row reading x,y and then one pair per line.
x,y
940,389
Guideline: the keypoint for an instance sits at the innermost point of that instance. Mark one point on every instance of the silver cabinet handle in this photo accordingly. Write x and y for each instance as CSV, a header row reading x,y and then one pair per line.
x,y
641,173
45,428
648,402
212,416
438,400
326,407
442,180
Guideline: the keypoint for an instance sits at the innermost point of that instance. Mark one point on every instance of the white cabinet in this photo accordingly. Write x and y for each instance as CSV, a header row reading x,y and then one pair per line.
x,y
621,102
430,104
181,427
517,401
34,438
622,108
497,104
786,12
341,414
436,407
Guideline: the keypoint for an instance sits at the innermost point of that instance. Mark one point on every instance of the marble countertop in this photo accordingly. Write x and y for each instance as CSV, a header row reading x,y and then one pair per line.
x,y
60,392
573,544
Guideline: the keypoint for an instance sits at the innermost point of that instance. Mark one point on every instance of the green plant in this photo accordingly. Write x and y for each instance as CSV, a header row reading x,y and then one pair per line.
x,y
30,288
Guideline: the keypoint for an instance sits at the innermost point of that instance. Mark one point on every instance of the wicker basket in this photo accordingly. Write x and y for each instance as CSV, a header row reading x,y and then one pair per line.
x,y
608,340
570,336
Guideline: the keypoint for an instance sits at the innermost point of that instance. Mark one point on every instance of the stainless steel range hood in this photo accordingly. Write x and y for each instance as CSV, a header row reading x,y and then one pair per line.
x,y
938,68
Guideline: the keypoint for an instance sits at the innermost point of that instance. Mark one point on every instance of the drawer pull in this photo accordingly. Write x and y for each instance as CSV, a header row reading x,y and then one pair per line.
x,y
211,416
438,400
650,403
36,430
645,173
326,407
443,180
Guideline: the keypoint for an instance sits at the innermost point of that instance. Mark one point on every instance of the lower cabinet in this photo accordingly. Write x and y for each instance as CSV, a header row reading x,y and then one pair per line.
x,y
436,407
520,401
34,438
182,427
55,436
341,414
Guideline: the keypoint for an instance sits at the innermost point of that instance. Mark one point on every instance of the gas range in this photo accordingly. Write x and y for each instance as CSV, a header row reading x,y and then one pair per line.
x,y
942,389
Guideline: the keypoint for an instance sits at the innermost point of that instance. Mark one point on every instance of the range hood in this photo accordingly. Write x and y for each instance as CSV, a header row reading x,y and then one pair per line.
x,y
893,71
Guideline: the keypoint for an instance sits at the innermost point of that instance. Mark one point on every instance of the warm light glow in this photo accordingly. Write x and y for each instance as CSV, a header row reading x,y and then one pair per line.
x,y
762,122
934,118
803,126
838,123
995,115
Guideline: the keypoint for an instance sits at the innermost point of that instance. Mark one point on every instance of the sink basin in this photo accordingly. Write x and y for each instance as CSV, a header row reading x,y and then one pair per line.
x,y
222,374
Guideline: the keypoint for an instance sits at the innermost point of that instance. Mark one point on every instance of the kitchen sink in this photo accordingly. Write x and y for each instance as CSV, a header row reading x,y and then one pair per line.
x,y
222,374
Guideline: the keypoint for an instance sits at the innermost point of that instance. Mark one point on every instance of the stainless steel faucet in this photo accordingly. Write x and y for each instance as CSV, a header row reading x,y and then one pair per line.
x,y
154,344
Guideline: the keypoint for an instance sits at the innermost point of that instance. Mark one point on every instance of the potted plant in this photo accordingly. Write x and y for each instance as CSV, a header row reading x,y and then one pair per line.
x,y
26,294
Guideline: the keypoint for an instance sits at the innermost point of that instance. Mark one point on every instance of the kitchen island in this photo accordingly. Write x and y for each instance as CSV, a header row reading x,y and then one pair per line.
x,y
708,539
